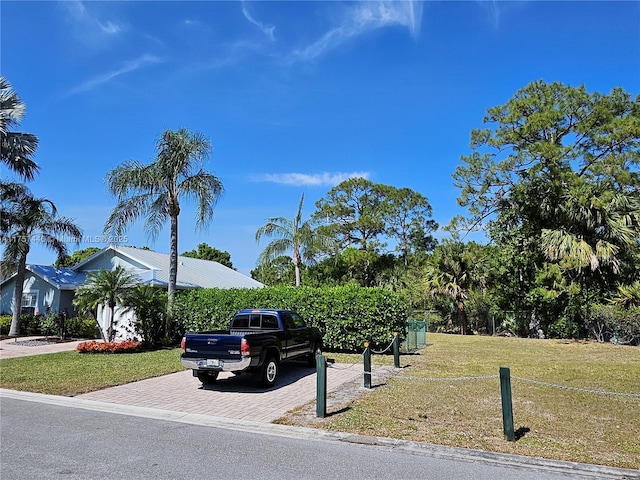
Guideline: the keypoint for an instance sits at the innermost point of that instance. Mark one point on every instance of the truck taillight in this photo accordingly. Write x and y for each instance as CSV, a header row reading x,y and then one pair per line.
x,y
245,351
182,344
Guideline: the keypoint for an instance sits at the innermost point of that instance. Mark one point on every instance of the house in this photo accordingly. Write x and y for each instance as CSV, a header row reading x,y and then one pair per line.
x,y
52,288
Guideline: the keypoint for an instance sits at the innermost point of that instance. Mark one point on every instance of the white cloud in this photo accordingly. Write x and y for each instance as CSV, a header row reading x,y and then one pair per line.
x,y
363,18
128,67
315,180
88,23
266,29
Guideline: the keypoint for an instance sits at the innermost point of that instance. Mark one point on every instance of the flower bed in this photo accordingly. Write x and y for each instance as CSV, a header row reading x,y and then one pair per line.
x,y
127,346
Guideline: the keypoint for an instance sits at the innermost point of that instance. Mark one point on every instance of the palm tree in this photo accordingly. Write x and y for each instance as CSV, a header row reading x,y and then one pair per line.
x,y
106,287
26,218
294,236
16,149
150,306
598,227
453,270
153,191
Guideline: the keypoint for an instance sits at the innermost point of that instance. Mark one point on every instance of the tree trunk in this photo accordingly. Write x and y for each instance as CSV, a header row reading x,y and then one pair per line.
x,y
14,331
111,331
296,267
462,317
173,271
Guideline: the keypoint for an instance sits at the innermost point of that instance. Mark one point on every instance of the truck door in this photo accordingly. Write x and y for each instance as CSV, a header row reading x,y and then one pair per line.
x,y
297,337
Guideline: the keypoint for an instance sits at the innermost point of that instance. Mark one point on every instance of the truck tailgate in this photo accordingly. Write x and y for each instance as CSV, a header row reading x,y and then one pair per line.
x,y
223,347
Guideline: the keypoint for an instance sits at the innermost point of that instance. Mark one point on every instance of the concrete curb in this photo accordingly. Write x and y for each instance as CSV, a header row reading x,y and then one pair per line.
x,y
416,448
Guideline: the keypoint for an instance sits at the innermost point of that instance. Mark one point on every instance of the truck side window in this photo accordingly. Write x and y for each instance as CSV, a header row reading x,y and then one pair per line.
x,y
298,321
287,320
269,321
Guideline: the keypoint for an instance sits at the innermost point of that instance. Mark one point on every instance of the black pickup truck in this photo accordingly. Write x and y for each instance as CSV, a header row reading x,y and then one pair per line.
x,y
256,342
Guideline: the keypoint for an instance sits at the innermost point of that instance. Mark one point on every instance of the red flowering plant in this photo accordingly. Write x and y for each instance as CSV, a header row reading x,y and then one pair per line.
x,y
127,346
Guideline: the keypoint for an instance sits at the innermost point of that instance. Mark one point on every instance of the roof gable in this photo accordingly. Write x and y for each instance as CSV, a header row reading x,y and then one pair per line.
x,y
153,267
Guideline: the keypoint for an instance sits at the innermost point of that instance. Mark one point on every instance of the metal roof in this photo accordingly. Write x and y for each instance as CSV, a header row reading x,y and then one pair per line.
x,y
192,272
63,278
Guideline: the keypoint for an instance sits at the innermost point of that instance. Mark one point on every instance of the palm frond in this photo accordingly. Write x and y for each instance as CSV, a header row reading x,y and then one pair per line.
x,y
126,212
206,189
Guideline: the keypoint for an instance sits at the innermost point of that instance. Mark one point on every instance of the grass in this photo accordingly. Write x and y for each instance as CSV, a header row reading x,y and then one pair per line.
x,y
72,373
419,404
554,423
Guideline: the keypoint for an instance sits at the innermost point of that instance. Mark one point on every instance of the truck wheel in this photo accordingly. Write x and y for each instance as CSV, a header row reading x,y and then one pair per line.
x,y
208,377
269,372
311,358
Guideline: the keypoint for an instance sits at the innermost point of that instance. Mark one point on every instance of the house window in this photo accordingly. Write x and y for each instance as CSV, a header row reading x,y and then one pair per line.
x,y
29,302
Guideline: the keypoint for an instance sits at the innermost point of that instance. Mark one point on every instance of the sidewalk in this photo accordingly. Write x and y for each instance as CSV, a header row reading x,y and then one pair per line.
x,y
26,346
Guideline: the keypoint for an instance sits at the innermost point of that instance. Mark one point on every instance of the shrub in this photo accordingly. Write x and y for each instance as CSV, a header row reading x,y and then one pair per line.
x,y
613,323
5,324
82,326
48,324
347,316
128,346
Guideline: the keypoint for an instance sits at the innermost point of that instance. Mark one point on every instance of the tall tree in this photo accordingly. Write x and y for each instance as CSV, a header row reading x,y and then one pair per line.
x,y
207,252
353,213
553,177
295,236
154,190
16,148
108,288
406,218
27,219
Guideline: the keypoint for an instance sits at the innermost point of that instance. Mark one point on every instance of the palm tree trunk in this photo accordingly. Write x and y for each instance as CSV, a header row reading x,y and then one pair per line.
x,y
173,271
17,296
111,332
462,317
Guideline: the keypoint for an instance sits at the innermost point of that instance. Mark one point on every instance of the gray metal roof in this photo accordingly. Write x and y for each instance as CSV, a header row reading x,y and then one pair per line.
x,y
192,272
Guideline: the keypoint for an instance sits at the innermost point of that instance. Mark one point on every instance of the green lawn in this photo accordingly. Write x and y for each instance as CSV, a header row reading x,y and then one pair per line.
x,y
71,373
557,423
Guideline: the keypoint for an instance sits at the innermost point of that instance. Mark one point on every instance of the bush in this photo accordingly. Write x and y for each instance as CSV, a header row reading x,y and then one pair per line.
x,y
5,324
128,346
563,328
347,316
82,326
608,323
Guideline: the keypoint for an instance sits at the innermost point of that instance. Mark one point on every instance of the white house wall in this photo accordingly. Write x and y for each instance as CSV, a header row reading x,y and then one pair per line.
x,y
123,322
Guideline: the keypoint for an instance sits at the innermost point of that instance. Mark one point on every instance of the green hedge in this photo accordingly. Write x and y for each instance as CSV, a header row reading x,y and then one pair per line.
x,y
76,327
347,316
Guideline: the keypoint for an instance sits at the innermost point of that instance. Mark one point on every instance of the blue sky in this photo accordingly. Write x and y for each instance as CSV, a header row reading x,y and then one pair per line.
x,y
295,96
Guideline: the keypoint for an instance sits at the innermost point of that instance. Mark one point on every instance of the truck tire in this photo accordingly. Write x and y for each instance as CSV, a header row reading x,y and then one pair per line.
x,y
311,358
269,372
208,377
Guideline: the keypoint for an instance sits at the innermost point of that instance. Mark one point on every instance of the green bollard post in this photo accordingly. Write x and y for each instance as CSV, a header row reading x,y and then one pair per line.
x,y
367,365
321,386
507,404
396,350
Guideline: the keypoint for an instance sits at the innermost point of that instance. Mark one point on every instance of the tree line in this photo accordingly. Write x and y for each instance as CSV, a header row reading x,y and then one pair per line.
x,y
551,180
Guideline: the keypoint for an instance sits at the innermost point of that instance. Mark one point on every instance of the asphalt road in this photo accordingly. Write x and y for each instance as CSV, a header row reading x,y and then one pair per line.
x,y
54,440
